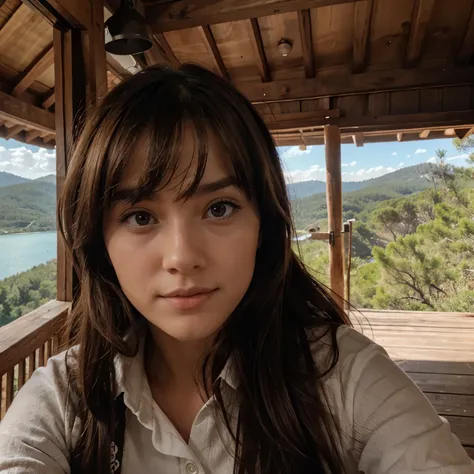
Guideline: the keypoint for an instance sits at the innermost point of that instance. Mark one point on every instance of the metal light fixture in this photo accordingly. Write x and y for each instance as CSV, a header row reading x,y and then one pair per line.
x,y
129,31
284,47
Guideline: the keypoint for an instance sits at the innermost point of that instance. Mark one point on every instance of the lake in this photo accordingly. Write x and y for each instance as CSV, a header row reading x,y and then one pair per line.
x,y
20,252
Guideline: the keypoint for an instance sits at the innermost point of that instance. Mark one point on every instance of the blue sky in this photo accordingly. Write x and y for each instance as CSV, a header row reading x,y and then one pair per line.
x,y
369,161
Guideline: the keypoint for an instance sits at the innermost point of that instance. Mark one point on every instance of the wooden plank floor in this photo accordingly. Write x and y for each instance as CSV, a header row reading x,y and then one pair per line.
x,y
437,352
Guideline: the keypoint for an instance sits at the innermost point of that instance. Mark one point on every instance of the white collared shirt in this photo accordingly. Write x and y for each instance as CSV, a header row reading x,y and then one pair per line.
x,y
388,424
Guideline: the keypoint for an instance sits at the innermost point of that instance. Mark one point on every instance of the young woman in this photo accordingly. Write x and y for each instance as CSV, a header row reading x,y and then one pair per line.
x,y
202,344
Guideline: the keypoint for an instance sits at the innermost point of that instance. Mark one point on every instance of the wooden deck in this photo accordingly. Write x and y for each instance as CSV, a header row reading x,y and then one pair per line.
x,y
437,352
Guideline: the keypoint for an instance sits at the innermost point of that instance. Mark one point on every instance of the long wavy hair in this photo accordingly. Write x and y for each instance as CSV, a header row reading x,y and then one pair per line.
x,y
284,424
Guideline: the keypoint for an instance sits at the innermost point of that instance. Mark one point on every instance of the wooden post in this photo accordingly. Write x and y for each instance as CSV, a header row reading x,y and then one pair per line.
x,y
332,139
80,80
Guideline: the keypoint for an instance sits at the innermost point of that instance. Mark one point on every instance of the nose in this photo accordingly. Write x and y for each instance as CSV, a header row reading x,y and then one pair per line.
x,y
183,249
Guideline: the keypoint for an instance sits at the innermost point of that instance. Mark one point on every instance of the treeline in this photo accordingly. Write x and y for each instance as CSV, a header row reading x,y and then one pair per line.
x,y
414,252
26,291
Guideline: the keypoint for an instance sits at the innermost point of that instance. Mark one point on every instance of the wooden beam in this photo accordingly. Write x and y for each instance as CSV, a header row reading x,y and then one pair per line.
x,y
209,38
332,138
64,13
31,135
38,68
28,115
14,131
262,59
462,133
182,14
49,101
422,11
354,123
343,82
358,139
399,137
467,49
304,20
425,134
162,41
157,54
300,120
362,20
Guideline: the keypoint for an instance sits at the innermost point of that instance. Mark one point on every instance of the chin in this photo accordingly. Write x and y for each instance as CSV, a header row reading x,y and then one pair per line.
x,y
185,329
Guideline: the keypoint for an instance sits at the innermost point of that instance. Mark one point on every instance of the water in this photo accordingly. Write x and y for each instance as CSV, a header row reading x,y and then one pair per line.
x,y
20,252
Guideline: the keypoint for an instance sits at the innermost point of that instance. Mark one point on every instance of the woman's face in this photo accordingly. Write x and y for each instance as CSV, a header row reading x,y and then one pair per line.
x,y
185,264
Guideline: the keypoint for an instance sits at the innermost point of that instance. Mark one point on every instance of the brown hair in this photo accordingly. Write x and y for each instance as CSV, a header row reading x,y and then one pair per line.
x,y
284,423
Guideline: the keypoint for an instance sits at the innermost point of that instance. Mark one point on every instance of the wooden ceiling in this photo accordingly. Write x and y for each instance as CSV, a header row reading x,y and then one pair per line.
x,y
381,69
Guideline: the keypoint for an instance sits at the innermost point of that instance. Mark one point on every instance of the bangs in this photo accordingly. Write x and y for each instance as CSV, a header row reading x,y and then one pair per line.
x,y
150,131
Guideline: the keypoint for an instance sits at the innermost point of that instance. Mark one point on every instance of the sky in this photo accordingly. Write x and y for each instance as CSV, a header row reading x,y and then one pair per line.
x,y
358,164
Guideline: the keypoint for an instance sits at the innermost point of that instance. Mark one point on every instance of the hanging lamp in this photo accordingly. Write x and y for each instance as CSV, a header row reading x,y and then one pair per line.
x,y
129,31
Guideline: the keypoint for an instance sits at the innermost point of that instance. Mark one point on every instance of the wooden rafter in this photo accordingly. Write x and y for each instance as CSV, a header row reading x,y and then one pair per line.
x,y
49,101
209,37
422,12
14,131
425,134
40,66
467,48
358,139
66,13
343,82
304,20
183,14
22,113
362,20
157,54
31,135
399,137
162,41
262,59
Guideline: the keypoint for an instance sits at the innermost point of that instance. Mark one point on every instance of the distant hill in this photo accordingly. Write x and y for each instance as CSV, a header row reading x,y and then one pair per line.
x,y
50,178
8,179
28,207
410,178
308,188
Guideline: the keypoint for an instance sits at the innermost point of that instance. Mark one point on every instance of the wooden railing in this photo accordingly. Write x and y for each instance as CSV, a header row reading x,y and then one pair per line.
x,y
26,344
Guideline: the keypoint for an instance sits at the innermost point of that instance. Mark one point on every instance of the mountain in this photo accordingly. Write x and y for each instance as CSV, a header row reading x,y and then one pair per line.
x,y
28,207
50,178
8,179
410,179
308,188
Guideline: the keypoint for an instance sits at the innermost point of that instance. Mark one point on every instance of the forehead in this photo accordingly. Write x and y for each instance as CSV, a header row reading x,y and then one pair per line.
x,y
185,153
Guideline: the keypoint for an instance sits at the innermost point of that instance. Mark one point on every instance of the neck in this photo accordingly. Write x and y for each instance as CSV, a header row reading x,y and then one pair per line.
x,y
170,362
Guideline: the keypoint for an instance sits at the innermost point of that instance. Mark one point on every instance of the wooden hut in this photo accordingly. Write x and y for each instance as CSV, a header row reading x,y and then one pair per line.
x,y
350,71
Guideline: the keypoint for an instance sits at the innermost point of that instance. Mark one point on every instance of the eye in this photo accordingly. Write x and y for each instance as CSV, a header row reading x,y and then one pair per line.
x,y
139,219
221,210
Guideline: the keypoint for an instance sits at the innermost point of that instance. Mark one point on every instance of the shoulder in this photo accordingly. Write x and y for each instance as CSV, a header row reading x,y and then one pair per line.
x,y
37,429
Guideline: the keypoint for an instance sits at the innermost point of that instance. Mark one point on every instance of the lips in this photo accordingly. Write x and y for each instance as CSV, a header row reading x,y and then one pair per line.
x,y
188,299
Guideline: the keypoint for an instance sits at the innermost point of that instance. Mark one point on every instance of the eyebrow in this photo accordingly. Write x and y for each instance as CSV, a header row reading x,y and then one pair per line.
x,y
127,194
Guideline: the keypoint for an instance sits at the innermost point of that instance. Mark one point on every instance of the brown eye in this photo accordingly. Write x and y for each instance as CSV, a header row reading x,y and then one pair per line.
x,y
221,210
140,219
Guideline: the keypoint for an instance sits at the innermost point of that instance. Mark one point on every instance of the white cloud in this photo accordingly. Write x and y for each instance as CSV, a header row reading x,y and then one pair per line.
x,y
316,172
420,151
458,157
26,163
433,159
351,164
401,165
363,174
295,151
394,153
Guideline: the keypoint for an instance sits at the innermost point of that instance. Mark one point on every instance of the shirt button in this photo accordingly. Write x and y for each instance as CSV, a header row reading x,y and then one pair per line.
x,y
191,468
